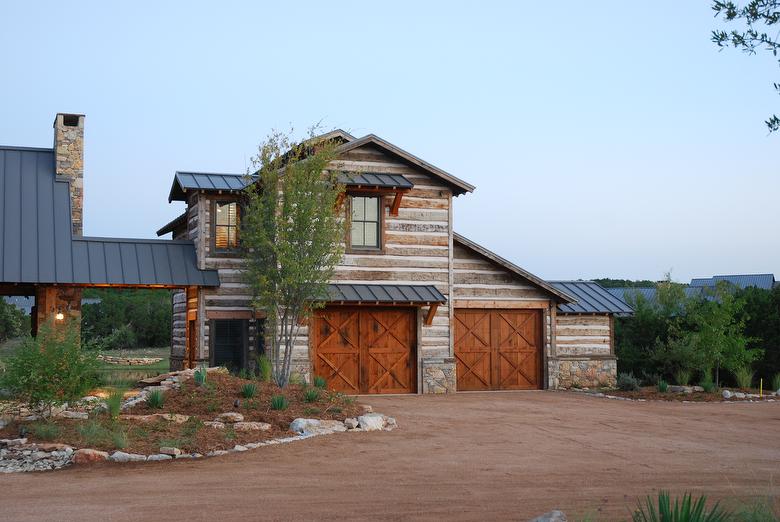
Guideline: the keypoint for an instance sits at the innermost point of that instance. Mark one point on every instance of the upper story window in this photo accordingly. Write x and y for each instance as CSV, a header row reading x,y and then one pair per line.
x,y
365,222
226,221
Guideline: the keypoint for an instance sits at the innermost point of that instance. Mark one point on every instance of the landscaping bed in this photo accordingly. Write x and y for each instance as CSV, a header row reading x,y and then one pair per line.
x,y
688,394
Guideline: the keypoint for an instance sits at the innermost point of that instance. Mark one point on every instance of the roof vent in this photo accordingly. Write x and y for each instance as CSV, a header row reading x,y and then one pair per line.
x,y
70,120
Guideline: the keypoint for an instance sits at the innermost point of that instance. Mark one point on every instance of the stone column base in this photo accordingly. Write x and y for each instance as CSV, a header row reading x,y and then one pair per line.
x,y
584,372
438,375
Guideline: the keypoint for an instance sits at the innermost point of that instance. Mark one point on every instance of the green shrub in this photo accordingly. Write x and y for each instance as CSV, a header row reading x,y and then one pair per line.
x,y
114,402
248,390
120,338
627,382
296,378
744,377
663,386
119,439
279,402
264,368
776,382
320,382
200,376
155,399
12,321
311,394
708,385
682,376
50,369
686,509
46,430
245,374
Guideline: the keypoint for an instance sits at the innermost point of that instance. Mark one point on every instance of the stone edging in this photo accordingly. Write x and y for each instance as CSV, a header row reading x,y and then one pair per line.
x,y
128,361
746,399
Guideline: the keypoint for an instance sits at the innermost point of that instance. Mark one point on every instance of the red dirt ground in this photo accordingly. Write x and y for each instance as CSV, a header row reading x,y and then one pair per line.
x,y
470,456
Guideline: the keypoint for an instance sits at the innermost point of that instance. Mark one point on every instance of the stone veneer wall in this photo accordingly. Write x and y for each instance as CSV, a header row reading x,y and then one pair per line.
x,y
69,162
584,373
439,375
584,353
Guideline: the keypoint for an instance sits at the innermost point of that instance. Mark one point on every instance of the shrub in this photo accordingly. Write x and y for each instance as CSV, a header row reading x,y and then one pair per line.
x,y
244,373
627,382
686,509
264,368
50,369
311,394
114,402
279,402
200,376
155,399
248,390
320,382
120,338
744,376
46,430
776,382
682,376
296,378
663,386
708,385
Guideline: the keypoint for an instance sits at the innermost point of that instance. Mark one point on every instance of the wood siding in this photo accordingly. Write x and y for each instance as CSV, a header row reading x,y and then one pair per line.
x,y
583,335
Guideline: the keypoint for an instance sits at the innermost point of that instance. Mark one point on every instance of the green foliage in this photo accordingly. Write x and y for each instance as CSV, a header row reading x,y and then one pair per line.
x,y
248,390
627,382
155,399
50,369
761,315
743,376
687,509
12,321
663,386
46,430
776,382
200,376
320,382
279,402
264,368
127,318
114,402
245,374
607,282
230,433
311,411
311,394
682,376
92,433
119,439
296,378
707,383
292,237
191,427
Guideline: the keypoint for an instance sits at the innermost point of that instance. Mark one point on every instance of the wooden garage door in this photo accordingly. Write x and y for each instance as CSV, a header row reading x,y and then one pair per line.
x,y
366,349
498,349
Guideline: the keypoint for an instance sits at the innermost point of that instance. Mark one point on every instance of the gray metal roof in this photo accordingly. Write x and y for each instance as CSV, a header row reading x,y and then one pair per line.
x,y
385,294
173,224
374,179
630,294
765,281
592,298
37,245
184,181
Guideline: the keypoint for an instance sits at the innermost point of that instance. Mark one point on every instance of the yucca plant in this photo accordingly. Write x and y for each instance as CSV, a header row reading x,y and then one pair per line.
x,y
279,402
311,395
663,386
687,509
744,377
320,382
248,390
200,376
155,399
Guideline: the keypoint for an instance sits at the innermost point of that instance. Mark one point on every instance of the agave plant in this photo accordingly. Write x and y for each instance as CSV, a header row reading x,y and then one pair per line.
x,y
687,509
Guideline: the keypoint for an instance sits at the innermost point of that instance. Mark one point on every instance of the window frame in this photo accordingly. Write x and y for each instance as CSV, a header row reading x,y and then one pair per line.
x,y
216,251
380,248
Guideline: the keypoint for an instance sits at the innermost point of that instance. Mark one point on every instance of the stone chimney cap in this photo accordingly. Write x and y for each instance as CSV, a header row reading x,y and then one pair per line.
x,y
69,119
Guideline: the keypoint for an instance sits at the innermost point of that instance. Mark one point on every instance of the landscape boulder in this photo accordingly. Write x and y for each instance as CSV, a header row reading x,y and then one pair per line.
x,y
158,456
372,421
251,426
215,424
727,394
351,423
88,456
168,450
230,416
121,456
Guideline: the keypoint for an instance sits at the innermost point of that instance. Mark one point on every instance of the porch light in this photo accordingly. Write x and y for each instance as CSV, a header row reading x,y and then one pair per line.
x,y
59,316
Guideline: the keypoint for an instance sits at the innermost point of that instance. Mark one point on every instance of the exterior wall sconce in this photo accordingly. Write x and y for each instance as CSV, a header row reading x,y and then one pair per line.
x,y
59,316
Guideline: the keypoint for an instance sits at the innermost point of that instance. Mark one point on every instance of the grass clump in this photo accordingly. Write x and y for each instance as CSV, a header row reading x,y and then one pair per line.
x,y
682,377
708,385
119,439
92,433
46,431
627,382
264,368
279,402
114,402
311,395
320,382
248,390
200,376
663,386
155,399
744,377
685,509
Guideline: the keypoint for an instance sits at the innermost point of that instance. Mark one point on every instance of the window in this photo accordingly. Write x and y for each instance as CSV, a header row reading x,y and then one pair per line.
x,y
226,225
365,222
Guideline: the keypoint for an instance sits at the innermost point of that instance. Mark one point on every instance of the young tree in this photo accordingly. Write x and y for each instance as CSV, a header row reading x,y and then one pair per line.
x,y
292,237
759,18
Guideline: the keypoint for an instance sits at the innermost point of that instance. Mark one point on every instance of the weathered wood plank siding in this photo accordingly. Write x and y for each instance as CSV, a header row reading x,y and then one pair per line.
x,y
579,334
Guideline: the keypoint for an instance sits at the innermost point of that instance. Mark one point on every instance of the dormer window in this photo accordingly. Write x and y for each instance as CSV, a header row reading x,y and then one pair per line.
x,y
226,221
365,226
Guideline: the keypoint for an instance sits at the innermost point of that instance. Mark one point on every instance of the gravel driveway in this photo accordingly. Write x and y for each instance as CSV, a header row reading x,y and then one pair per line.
x,y
470,456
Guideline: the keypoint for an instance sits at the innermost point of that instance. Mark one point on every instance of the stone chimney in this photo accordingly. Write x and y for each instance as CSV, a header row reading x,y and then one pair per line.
x,y
69,162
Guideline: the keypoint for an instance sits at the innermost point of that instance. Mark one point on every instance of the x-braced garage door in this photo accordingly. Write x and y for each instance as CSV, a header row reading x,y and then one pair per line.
x,y
365,349
498,349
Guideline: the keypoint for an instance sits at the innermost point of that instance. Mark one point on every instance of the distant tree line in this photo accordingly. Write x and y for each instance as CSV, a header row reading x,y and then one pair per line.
x,y
625,283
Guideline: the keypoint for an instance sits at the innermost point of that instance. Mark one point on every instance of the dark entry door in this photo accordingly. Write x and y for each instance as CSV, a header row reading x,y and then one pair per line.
x,y
229,343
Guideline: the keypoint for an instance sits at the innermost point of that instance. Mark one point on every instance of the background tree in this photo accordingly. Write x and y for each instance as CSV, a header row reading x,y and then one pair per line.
x,y
12,321
127,318
292,238
757,19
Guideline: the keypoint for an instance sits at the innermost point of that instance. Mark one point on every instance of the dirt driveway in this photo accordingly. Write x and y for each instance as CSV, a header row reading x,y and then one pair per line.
x,y
469,456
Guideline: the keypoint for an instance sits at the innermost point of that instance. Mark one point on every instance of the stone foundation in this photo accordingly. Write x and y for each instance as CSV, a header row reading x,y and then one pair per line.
x,y
583,373
438,375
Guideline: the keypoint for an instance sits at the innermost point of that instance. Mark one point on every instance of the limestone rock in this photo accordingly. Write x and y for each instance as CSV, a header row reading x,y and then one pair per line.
x,y
552,516
121,456
238,447
167,450
371,421
80,415
214,424
351,423
739,395
367,408
216,453
727,394
159,456
251,426
230,416
697,388
13,442
301,425
88,456
52,446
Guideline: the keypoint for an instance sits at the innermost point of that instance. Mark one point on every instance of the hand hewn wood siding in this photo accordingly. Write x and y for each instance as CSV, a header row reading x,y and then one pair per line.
x,y
579,334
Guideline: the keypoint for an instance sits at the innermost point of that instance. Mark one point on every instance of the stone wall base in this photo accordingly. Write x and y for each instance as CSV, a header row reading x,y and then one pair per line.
x,y
438,375
582,373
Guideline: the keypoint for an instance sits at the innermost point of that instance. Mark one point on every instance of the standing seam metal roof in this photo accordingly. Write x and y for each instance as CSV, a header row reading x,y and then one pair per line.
x,y
765,281
184,181
374,179
380,293
592,298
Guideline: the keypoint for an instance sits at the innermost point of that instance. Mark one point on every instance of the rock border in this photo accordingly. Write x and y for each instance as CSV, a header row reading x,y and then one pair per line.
x,y
726,394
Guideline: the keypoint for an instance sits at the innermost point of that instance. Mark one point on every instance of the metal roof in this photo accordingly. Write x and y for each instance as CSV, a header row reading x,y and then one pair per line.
x,y
374,179
765,281
38,247
592,298
385,294
184,181
173,224
630,294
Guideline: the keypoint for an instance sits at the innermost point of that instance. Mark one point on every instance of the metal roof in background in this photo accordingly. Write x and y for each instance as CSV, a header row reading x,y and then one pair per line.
x,y
764,281
374,179
629,294
385,294
592,298
184,181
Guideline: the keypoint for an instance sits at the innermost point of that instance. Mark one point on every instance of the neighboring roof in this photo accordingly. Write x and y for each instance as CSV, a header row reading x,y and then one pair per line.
x,y
629,294
538,281
385,294
458,185
374,179
185,181
173,224
765,281
592,298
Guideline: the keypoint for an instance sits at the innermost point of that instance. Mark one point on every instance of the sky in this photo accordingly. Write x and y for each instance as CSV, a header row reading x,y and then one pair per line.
x,y
605,139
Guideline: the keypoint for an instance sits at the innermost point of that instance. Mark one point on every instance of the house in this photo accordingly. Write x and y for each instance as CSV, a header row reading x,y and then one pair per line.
x,y
413,306
700,286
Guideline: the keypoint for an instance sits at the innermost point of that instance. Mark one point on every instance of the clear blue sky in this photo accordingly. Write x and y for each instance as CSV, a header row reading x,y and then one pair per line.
x,y
604,138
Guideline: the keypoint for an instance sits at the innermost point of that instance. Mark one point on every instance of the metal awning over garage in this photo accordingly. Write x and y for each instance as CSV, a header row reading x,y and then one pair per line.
x,y
382,294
